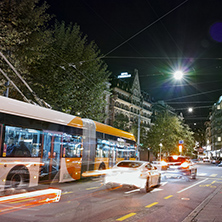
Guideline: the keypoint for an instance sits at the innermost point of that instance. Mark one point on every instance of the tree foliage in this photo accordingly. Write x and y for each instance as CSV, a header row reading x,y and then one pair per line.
x,y
73,78
168,130
58,63
121,122
23,37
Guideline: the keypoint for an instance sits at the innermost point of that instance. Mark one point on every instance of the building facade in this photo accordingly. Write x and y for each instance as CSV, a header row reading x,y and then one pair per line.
x,y
129,104
215,140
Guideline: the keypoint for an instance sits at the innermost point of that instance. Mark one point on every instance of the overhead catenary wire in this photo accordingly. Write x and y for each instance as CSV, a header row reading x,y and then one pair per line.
x,y
74,66
127,40
5,75
145,28
196,94
40,101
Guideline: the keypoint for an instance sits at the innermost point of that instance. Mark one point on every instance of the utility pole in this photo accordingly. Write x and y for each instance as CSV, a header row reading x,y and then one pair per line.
x,y
138,138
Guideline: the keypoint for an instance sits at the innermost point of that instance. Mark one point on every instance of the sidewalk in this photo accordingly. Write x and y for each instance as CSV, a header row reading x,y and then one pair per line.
x,y
210,210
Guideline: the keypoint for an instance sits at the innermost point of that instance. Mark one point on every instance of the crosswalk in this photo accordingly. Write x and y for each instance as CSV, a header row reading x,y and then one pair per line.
x,y
205,174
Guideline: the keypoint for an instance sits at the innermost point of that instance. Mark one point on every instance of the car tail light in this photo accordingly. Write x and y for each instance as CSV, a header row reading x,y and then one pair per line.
x,y
185,164
163,163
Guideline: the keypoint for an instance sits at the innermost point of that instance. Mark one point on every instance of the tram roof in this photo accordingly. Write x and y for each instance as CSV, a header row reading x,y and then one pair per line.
x,y
103,128
23,109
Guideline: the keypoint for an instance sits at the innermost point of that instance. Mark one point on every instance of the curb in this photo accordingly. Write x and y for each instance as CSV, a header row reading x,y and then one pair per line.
x,y
198,209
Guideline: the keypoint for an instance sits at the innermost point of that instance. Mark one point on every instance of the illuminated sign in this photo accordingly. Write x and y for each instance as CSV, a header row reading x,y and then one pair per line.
x,y
124,75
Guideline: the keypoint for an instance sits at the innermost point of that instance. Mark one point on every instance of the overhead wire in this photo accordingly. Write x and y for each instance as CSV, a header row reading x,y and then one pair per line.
x,y
148,26
111,27
6,76
40,101
196,94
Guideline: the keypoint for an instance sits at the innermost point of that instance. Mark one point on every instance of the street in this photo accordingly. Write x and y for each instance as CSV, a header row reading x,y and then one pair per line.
x,y
90,200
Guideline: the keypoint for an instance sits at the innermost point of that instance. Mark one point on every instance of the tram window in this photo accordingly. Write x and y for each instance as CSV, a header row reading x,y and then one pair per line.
x,y
105,153
120,154
72,145
99,152
21,142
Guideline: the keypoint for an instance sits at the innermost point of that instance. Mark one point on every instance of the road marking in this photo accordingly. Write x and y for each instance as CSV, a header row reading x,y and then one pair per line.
x,y
126,216
150,205
201,174
208,185
163,183
213,175
131,191
67,192
168,197
192,185
156,190
92,188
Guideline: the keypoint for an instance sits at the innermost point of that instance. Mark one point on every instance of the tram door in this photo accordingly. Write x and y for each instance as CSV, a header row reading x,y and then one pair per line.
x,y
51,156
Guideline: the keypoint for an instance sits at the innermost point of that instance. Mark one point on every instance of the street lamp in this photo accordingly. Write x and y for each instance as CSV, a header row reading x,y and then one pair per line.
x,y
190,110
178,75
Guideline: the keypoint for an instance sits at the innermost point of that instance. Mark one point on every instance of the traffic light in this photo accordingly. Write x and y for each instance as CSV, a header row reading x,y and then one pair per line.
x,y
180,148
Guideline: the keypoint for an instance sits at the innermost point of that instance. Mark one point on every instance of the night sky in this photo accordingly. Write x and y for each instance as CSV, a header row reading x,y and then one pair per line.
x,y
157,37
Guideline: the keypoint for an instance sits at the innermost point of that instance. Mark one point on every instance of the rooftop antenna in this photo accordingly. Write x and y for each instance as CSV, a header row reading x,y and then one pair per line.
x,y
40,101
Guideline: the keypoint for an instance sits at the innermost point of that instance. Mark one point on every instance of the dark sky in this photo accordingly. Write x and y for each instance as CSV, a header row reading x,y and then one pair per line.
x,y
156,37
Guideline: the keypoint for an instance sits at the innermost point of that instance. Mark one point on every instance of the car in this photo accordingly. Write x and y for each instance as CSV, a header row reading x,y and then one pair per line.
x,y
160,165
139,174
206,159
180,166
213,161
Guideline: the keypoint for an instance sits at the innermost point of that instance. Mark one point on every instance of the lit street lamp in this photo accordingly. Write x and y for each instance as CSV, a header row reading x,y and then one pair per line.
x,y
190,110
178,75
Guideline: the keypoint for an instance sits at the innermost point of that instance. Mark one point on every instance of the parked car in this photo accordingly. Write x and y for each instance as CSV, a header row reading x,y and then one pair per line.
x,y
139,174
206,159
180,166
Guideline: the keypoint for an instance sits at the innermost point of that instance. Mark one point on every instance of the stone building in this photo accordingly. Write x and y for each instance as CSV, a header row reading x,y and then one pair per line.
x,y
128,103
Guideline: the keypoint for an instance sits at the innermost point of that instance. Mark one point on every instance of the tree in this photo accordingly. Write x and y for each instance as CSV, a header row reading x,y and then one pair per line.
x,y
58,63
24,37
73,77
143,133
121,122
168,130
21,24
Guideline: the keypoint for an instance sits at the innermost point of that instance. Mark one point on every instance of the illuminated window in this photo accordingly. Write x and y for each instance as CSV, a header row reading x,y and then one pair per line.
x,y
218,138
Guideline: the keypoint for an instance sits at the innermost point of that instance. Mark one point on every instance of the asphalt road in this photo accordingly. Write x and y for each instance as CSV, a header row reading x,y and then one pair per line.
x,y
89,200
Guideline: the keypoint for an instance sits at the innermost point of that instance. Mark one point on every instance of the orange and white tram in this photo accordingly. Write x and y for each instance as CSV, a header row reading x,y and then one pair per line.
x,y
39,144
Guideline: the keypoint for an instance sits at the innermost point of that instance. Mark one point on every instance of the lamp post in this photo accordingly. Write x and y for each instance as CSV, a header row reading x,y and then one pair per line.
x,y
138,137
160,149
